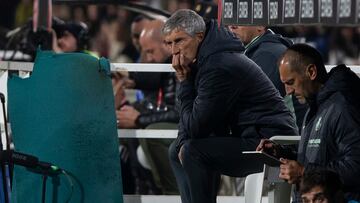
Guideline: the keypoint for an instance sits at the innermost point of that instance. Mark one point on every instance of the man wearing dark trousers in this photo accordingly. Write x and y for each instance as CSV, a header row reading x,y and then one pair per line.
x,y
226,105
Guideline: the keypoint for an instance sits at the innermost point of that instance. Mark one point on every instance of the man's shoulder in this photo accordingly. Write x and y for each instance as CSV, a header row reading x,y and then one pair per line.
x,y
231,61
227,58
338,105
236,65
270,47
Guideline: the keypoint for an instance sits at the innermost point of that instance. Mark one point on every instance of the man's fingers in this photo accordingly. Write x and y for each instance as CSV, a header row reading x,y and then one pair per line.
x,y
284,172
118,85
184,63
284,161
260,147
284,176
266,145
176,62
126,108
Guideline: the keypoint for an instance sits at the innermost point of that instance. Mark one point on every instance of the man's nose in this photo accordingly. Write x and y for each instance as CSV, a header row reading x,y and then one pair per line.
x,y
289,90
174,49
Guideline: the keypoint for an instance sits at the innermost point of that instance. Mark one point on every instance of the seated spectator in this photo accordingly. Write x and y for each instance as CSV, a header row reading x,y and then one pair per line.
x,y
163,110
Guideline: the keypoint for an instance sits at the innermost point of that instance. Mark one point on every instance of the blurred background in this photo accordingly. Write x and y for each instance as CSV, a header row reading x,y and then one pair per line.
x,y
109,28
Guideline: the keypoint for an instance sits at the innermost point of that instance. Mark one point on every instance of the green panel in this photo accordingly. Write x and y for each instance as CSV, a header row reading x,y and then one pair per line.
x,y
64,114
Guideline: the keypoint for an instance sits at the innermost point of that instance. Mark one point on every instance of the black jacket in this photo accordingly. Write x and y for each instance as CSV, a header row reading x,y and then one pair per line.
x,y
229,95
331,135
265,51
151,82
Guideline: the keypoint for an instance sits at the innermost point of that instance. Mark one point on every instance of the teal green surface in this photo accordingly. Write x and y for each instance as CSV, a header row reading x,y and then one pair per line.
x,y
64,114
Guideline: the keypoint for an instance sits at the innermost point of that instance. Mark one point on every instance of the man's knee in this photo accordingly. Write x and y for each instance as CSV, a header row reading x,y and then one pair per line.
x,y
190,151
173,155
187,150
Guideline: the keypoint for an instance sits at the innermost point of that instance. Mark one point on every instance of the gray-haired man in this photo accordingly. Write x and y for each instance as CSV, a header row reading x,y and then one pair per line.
x,y
226,104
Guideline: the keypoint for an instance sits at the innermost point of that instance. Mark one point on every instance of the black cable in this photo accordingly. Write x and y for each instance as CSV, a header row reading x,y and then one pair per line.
x,y
43,193
3,165
5,124
3,168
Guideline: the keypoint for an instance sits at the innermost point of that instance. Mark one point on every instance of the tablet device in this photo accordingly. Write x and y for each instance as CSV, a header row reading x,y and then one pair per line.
x,y
262,157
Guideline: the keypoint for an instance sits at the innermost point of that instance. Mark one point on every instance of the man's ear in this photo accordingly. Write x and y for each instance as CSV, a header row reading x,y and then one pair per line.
x,y
200,36
261,29
311,71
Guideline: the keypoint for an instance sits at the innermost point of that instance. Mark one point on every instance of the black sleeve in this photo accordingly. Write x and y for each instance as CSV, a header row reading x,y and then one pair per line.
x,y
186,90
199,115
171,116
146,80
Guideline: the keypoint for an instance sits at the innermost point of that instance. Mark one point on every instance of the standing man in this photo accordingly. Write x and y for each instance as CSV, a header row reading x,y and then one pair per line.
x,y
331,132
226,105
265,48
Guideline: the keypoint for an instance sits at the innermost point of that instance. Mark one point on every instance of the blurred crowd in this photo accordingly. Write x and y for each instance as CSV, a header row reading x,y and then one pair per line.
x,y
109,28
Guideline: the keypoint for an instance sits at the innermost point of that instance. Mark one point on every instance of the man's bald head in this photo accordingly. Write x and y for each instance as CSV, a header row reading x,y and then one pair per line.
x,y
247,33
302,71
300,56
152,30
152,42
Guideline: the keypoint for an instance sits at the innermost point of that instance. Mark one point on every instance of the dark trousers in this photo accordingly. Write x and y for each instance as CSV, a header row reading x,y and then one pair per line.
x,y
205,159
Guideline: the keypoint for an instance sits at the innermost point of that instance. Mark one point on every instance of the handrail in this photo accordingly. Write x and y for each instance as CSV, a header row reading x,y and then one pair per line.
x,y
148,133
131,67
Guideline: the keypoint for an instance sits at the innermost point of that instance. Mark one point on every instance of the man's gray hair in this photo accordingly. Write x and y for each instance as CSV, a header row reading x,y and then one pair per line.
x,y
186,20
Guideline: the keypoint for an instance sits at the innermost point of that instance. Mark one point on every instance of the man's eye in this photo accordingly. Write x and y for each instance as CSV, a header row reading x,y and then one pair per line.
x,y
319,199
177,41
290,82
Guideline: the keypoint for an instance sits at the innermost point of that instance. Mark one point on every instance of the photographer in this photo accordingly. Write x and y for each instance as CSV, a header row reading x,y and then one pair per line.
x,y
70,37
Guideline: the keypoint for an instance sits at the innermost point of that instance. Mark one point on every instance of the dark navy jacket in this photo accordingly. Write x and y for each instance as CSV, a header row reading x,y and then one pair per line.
x,y
229,95
265,51
331,132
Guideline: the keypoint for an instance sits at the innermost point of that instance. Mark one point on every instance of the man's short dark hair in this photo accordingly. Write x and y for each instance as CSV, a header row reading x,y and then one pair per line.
x,y
303,55
328,180
78,29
